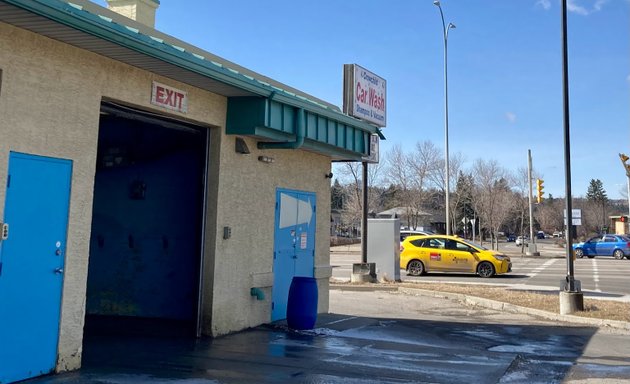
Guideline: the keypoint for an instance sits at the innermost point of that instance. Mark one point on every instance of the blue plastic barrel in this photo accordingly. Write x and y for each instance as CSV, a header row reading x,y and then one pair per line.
x,y
302,304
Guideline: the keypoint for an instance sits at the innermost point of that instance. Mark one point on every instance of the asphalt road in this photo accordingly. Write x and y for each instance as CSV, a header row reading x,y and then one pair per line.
x,y
602,276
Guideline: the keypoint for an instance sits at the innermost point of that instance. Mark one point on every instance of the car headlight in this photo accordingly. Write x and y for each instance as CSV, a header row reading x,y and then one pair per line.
x,y
501,257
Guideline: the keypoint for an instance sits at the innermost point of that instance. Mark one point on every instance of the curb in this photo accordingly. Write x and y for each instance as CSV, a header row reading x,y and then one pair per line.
x,y
496,305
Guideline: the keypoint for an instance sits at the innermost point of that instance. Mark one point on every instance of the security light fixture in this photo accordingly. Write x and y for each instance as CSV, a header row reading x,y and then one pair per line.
x,y
266,159
241,147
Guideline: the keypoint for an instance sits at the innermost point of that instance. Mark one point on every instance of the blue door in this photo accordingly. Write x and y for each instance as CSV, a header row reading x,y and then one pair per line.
x,y
294,244
31,264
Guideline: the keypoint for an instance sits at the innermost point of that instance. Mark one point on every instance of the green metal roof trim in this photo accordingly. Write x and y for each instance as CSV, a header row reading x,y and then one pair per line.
x,y
279,123
76,17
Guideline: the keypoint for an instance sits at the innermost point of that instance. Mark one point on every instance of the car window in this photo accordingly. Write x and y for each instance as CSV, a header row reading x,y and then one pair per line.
x,y
451,244
472,245
610,239
433,243
457,246
625,238
418,242
593,240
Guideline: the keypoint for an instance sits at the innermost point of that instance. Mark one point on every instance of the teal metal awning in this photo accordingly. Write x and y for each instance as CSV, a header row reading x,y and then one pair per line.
x,y
257,106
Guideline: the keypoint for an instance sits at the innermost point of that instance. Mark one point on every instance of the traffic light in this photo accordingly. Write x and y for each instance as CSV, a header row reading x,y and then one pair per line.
x,y
624,159
539,190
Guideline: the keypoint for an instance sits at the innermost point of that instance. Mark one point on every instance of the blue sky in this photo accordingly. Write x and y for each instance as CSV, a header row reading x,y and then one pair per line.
x,y
505,71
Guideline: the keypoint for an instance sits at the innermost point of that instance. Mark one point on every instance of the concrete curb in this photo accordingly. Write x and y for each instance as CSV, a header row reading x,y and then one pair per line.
x,y
496,305
507,307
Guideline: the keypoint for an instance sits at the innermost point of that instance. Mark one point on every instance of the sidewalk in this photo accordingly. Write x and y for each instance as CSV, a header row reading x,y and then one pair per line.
x,y
371,336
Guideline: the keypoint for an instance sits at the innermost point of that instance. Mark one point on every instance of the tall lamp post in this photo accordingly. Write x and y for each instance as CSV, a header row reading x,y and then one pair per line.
x,y
445,29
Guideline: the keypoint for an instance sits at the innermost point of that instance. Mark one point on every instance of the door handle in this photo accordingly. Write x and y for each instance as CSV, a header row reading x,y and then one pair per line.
x,y
58,271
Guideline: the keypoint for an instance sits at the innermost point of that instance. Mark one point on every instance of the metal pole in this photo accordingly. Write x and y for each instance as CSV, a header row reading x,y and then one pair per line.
x,y
567,152
529,194
446,159
364,215
628,200
531,249
445,29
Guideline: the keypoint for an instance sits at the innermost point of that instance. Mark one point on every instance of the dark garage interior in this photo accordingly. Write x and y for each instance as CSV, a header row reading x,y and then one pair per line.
x,y
146,235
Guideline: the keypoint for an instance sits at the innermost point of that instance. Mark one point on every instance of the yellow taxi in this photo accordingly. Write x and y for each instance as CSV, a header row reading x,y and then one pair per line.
x,y
441,253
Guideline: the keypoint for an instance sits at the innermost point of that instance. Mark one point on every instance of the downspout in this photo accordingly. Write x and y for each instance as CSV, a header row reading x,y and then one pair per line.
x,y
300,132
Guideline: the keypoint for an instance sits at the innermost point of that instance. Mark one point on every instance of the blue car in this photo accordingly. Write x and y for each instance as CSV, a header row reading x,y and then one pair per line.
x,y
617,246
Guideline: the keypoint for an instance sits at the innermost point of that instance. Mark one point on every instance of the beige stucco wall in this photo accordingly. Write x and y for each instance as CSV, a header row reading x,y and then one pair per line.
x,y
247,195
50,95
49,103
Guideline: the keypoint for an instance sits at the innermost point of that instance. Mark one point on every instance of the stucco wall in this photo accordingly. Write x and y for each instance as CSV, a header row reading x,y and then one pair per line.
x,y
247,196
50,100
49,104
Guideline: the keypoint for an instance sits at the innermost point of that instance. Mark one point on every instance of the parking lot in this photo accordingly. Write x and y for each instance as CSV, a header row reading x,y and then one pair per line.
x,y
600,277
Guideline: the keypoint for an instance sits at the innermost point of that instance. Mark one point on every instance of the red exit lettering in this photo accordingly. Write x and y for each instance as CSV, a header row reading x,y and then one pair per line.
x,y
169,97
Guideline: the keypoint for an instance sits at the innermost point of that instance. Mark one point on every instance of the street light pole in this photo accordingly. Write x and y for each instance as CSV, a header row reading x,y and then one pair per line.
x,y
445,29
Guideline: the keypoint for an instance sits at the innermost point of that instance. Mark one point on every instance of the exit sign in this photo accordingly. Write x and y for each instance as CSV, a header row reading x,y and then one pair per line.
x,y
168,97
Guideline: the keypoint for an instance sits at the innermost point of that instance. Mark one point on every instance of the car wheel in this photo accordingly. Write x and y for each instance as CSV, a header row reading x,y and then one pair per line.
x,y
415,268
591,256
485,269
618,254
579,253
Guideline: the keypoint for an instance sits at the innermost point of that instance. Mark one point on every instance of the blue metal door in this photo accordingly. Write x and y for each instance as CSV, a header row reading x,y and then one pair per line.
x,y
31,265
294,244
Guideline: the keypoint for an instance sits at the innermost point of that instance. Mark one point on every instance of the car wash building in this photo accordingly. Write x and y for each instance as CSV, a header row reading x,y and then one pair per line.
x,y
147,183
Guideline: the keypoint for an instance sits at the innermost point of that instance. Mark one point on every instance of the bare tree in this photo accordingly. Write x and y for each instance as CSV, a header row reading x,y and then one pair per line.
x,y
522,188
493,193
351,174
422,163
399,172
438,179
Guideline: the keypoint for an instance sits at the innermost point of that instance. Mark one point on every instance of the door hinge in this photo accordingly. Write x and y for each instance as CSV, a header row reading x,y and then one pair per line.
x,y
8,181
274,255
273,305
0,268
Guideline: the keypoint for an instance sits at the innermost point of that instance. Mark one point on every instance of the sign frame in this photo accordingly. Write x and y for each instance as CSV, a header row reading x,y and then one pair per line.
x,y
364,95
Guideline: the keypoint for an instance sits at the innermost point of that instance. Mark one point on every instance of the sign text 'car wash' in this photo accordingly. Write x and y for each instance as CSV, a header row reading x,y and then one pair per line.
x,y
364,95
169,97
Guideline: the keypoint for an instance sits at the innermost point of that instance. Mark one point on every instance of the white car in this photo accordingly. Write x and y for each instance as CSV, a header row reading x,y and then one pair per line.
x,y
407,232
520,241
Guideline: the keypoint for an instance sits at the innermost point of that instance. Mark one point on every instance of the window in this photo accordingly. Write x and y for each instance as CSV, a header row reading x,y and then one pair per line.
x,y
610,239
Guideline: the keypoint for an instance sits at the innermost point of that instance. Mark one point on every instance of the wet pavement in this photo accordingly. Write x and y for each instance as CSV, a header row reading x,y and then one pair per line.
x,y
371,336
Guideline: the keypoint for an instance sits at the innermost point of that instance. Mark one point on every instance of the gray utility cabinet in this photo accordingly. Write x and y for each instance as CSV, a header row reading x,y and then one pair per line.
x,y
383,248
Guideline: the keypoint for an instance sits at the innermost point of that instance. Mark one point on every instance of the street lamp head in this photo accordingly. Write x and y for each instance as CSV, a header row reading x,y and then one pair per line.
x,y
436,2
451,26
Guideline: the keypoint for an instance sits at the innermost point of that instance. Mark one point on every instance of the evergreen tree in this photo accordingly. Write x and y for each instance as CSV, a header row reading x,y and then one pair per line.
x,y
597,194
336,195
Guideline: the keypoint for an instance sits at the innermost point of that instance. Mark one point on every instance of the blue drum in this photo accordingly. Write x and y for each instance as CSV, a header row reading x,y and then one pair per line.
x,y
302,304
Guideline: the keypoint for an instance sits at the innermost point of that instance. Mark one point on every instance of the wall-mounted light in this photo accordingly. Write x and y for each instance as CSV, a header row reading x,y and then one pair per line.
x,y
266,159
328,175
240,146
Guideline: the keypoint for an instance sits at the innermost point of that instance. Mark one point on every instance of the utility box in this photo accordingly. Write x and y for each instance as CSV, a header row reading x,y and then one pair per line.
x,y
383,248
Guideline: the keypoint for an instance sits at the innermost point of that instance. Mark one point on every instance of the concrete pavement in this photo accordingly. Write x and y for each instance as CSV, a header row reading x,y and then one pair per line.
x,y
373,334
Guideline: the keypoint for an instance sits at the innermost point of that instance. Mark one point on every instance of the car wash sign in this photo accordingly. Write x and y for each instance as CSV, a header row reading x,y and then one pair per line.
x,y
364,95
168,97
